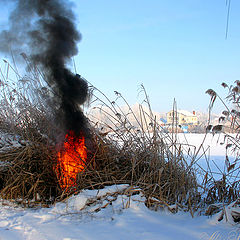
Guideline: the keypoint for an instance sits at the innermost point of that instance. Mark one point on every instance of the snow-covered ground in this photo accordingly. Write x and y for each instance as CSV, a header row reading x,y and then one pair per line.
x,y
211,151
100,215
105,215
212,145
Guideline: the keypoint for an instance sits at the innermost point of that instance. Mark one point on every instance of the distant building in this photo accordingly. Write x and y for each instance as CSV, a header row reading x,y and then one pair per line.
x,y
182,117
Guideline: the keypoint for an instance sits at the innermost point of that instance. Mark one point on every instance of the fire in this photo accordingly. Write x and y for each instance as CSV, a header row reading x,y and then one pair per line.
x,y
71,160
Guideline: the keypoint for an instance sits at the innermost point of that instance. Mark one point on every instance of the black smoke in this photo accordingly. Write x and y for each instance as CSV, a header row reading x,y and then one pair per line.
x,y
46,31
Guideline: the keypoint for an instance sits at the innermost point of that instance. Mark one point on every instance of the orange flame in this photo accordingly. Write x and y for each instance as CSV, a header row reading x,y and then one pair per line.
x,y
71,160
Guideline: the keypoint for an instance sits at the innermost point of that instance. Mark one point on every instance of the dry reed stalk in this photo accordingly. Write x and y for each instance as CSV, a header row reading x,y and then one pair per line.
x,y
28,175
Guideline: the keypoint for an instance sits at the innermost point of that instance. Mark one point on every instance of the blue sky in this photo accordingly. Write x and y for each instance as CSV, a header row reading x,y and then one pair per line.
x,y
176,48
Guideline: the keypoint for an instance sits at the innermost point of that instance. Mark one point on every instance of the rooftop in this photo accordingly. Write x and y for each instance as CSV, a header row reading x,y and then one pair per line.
x,y
185,112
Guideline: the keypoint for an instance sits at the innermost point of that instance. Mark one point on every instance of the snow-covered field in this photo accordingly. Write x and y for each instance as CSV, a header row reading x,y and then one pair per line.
x,y
123,219
213,145
104,215
210,150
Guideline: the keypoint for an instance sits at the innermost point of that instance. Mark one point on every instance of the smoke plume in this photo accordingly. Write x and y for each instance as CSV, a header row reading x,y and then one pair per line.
x,y
45,30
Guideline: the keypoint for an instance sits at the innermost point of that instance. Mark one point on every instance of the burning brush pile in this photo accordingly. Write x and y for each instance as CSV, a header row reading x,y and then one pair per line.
x,y
53,149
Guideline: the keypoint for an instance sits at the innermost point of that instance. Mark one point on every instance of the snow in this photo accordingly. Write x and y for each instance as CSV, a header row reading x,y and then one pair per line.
x,y
113,213
210,151
186,113
212,144
8,141
125,218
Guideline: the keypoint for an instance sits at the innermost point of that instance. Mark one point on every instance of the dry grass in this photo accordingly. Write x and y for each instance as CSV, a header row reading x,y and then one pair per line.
x,y
28,109
132,148
119,151
126,146
28,174
27,117
226,188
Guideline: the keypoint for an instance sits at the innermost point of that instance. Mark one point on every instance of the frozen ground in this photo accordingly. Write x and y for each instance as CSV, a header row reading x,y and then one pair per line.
x,y
101,215
210,150
123,219
213,145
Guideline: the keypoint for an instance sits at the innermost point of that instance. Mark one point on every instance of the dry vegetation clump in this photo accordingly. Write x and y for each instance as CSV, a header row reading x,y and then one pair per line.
x,y
28,137
221,191
28,174
130,147
28,108
164,181
226,188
